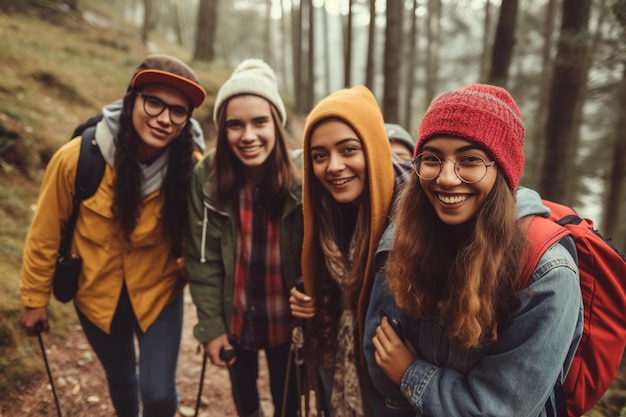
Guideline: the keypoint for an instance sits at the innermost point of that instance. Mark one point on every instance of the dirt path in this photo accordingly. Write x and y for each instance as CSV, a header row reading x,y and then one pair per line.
x,y
80,382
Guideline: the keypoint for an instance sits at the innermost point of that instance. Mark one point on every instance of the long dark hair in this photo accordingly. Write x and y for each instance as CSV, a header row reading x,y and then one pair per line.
x,y
227,181
463,274
128,197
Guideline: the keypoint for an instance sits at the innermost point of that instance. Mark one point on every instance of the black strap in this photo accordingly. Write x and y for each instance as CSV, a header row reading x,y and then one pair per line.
x,y
89,173
559,397
559,402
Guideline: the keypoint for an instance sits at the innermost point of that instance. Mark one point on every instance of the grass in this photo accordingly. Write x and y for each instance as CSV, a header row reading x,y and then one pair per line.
x,y
56,73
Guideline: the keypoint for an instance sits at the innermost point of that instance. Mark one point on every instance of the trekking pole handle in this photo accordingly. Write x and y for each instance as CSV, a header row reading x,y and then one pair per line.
x,y
300,284
38,327
227,354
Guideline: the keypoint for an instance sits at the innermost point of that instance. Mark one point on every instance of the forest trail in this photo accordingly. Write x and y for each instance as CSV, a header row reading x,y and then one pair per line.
x,y
82,389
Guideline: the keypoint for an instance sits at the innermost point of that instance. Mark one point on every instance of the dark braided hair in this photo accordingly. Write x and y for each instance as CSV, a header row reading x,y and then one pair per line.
x,y
128,198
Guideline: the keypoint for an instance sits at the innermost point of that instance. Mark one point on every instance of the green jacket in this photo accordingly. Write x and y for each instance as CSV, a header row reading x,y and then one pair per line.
x,y
212,243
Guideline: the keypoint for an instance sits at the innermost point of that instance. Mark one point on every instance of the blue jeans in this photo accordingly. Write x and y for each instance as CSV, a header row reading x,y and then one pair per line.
x,y
244,374
158,355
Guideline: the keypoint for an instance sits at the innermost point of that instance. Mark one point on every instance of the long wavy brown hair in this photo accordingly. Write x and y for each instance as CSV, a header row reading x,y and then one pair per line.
x,y
128,198
464,275
333,224
281,171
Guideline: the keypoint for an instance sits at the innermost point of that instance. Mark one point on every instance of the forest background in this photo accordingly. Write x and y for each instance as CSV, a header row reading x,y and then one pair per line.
x,y
563,60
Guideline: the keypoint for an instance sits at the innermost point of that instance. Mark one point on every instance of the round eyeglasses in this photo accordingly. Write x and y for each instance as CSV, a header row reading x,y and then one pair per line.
x,y
469,168
154,106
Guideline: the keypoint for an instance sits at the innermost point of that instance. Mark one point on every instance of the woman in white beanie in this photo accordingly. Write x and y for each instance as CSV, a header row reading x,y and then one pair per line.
x,y
245,240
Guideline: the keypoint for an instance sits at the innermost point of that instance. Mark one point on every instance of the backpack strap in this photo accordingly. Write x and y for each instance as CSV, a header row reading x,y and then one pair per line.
x,y
90,166
542,233
89,173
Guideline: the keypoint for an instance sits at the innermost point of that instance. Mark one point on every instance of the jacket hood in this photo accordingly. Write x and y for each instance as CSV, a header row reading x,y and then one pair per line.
x,y
529,202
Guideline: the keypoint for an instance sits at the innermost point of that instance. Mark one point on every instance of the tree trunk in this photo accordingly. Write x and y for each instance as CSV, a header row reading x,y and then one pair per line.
x,y
310,87
328,67
178,22
205,30
615,189
371,41
347,47
296,30
568,87
147,20
410,68
284,27
433,35
503,44
267,44
485,65
393,51
537,135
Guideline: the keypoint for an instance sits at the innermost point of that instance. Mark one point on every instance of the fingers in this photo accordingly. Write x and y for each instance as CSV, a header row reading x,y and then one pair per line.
x,y
391,354
34,320
302,306
214,348
299,296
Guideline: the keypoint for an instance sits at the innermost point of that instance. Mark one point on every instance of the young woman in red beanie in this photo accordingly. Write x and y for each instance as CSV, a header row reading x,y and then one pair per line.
x,y
467,341
349,186
245,218
129,235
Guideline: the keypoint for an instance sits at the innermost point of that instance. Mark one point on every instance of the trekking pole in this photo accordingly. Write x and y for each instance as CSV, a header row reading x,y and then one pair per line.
x,y
286,383
201,380
295,357
38,329
226,355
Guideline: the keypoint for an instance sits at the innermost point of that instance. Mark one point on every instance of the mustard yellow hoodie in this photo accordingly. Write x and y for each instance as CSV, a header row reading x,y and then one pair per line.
x,y
358,108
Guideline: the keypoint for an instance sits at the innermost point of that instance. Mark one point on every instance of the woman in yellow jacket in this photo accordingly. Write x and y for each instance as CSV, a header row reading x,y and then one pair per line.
x,y
129,235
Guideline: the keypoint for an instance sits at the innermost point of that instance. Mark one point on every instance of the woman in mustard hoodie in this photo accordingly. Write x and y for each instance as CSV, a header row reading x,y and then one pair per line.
x,y
129,235
348,188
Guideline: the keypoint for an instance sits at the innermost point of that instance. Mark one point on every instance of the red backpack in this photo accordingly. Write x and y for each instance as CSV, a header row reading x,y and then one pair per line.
x,y
603,286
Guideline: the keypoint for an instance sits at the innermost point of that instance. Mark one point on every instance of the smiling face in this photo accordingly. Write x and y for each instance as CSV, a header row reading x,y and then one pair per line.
x,y
338,160
455,201
250,130
156,132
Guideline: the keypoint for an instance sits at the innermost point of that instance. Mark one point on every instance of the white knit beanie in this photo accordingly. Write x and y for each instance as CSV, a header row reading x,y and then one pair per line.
x,y
252,76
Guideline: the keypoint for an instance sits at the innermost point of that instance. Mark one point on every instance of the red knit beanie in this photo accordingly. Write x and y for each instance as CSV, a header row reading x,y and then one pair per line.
x,y
484,114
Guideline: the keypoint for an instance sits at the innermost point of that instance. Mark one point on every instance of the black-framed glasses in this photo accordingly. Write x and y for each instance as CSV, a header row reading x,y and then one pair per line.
x,y
154,106
469,168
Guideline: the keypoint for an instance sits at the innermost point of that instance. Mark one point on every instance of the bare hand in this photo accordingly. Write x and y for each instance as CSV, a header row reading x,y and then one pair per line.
x,y
33,315
302,306
213,348
392,355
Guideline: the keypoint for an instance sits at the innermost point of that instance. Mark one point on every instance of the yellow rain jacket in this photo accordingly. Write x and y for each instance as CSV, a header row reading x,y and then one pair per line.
x,y
152,275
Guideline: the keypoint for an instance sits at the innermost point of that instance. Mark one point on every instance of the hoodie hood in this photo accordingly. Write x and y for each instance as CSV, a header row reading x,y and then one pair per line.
x,y
111,115
154,173
529,202
357,107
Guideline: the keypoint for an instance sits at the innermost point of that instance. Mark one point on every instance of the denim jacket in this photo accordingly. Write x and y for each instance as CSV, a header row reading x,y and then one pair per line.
x,y
514,376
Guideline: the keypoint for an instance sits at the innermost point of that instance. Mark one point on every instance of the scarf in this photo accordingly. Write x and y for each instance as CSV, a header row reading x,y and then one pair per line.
x,y
346,399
